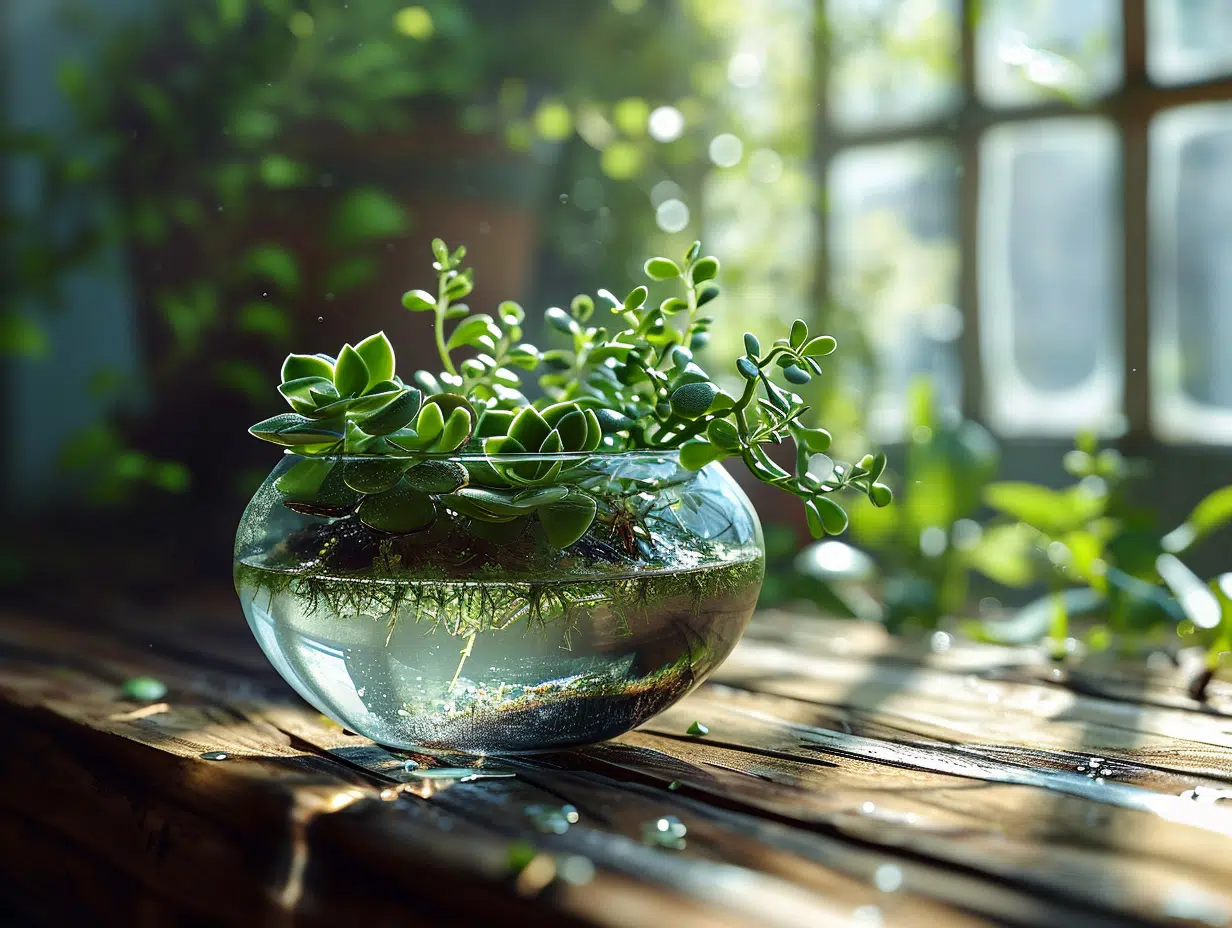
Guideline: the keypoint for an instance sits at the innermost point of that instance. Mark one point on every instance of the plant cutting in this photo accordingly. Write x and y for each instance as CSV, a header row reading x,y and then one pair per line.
x,y
442,562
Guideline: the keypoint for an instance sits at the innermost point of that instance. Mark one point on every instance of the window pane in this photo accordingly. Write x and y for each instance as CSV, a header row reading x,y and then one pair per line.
x,y
1191,244
1049,277
1189,40
892,61
894,257
1033,50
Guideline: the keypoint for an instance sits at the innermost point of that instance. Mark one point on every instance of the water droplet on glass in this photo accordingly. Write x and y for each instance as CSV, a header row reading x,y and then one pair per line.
x,y
868,808
409,765
215,755
888,878
666,832
564,198
320,318
329,297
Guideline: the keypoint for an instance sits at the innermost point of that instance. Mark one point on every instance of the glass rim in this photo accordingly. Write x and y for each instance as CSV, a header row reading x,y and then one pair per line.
x,y
662,455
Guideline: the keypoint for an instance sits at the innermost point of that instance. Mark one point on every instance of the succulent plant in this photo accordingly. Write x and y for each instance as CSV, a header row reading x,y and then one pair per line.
x,y
378,447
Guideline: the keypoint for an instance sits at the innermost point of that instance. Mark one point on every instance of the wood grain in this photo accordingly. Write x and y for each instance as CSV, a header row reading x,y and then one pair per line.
x,y
847,778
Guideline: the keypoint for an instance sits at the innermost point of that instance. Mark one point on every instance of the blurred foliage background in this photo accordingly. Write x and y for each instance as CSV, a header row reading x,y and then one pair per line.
x,y
191,189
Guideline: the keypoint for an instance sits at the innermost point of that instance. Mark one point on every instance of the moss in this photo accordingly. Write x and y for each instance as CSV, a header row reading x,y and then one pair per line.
x,y
462,608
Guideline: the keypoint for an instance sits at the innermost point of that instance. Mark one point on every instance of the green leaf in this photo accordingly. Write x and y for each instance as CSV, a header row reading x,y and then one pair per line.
x,y
636,299
290,429
661,269
373,476
455,432
751,346
1053,512
429,423
747,368
470,329
723,435
419,301
797,375
378,355
696,454
833,516
304,479
1211,514
813,516
529,428
705,269
820,346
399,511
437,477
560,320
881,495
612,421
566,521
693,399
815,440
697,729
511,314
350,373
573,431
524,356
540,496
487,503
299,392
799,332
367,214
393,415
275,263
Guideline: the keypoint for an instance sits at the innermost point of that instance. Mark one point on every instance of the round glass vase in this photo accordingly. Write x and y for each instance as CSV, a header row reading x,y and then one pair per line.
x,y
472,630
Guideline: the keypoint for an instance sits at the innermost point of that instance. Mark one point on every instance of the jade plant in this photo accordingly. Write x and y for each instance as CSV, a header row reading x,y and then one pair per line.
x,y
467,440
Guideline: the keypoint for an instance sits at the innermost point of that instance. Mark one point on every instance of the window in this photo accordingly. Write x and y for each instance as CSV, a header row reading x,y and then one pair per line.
x,y
1036,198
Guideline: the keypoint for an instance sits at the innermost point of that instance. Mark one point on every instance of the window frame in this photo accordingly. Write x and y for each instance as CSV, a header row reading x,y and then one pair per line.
x,y
1129,109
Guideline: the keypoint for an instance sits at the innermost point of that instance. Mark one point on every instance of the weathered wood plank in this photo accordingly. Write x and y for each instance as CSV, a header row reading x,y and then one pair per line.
x,y
846,776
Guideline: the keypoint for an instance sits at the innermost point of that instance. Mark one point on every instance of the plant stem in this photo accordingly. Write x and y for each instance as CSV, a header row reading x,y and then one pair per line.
x,y
442,304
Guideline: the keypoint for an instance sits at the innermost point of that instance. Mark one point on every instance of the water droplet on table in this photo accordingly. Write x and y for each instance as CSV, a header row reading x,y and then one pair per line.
x,y
665,832
888,878
215,755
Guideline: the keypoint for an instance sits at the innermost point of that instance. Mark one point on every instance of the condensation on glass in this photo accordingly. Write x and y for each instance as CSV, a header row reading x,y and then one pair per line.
x,y
1028,51
892,61
1049,284
1188,40
894,261
1191,276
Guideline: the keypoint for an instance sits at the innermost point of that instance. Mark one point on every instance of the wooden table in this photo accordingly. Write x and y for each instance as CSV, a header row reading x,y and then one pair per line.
x,y
847,778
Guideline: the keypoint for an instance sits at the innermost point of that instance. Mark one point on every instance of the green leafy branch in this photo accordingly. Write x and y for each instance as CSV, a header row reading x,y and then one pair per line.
x,y
639,388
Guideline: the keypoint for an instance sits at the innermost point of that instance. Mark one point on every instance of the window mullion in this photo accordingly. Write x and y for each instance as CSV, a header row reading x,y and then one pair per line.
x,y
1134,121
970,130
